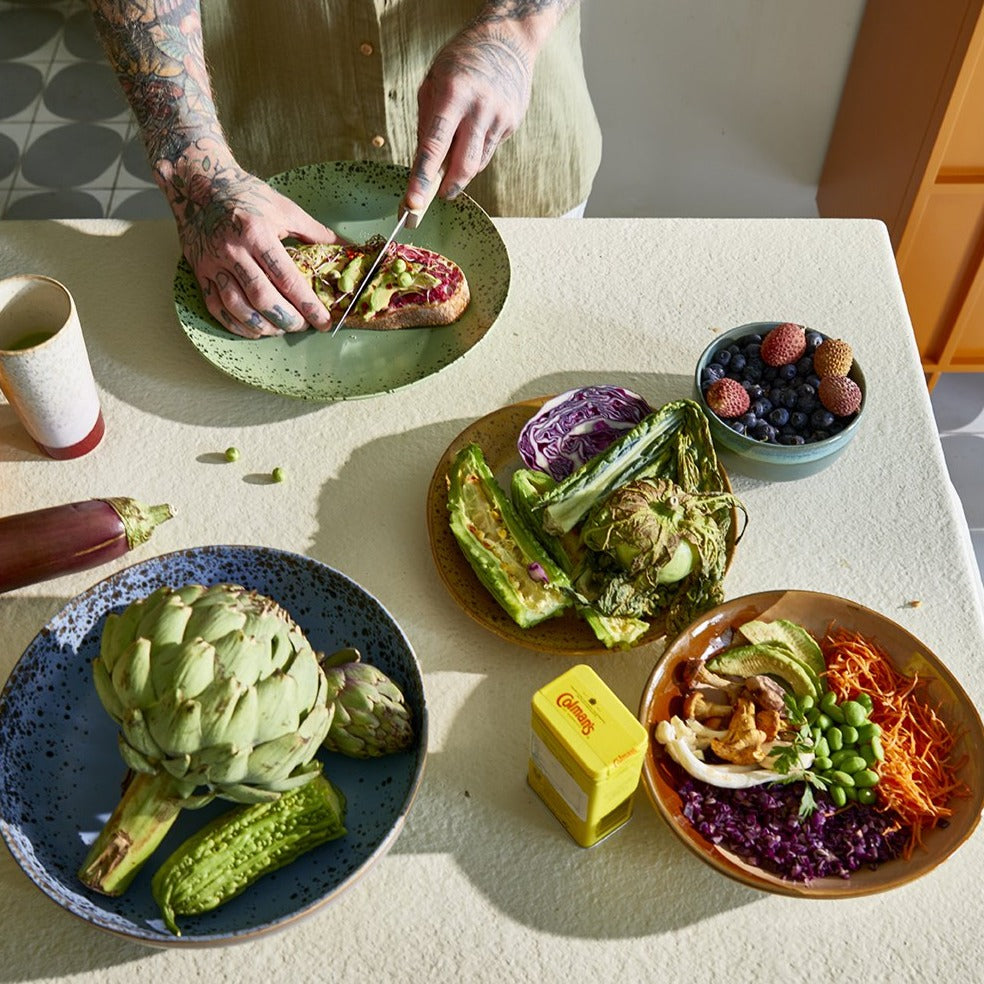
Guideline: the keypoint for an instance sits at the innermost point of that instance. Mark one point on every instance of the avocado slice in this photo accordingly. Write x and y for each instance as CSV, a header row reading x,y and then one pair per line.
x,y
775,660
803,646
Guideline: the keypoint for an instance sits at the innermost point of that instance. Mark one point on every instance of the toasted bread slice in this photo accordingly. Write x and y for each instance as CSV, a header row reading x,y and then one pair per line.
x,y
412,288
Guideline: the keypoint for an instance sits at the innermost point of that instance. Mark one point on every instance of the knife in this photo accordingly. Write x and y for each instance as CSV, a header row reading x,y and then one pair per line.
x,y
407,217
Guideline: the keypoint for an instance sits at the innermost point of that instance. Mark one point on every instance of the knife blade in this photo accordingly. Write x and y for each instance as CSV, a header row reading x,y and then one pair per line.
x,y
374,266
411,218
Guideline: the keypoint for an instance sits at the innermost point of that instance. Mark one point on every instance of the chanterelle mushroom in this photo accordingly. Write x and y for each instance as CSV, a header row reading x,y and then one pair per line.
x,y
743,743
697,706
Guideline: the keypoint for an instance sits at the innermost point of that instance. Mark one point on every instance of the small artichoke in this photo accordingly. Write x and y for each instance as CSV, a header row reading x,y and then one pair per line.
x,y
217,693
371,715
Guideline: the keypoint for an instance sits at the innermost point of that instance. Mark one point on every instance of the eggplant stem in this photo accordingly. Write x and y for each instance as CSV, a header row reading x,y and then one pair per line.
x,y
139,520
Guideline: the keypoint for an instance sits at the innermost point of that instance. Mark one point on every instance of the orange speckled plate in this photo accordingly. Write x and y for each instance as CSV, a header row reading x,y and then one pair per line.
x,y
496,434
818,613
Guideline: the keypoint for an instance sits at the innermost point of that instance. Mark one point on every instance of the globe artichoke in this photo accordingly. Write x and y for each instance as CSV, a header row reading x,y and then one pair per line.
x,y
371,715
217,693
658,548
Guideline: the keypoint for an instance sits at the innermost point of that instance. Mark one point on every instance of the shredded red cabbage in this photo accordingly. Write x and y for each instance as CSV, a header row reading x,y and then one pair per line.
x,y
760,825
575,426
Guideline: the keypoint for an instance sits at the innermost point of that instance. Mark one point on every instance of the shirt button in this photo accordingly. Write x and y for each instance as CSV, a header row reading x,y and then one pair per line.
x,y
366,48
378,141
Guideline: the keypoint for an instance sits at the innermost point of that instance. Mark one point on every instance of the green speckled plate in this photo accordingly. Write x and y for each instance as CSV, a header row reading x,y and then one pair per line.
x,y
359,199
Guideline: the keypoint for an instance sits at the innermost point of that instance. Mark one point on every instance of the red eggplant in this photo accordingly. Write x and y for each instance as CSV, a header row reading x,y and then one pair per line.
x,y
47,543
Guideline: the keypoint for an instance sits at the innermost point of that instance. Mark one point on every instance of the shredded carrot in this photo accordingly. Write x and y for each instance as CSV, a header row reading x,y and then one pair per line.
x,y
917,779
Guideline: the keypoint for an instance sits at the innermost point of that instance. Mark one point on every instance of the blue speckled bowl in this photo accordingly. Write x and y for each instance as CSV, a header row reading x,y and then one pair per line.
x,y
60,772
772,462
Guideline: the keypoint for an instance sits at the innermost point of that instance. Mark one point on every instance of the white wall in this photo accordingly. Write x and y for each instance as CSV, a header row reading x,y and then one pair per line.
x,y
715,107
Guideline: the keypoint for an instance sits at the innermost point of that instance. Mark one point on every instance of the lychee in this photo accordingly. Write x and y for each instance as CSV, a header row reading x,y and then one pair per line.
x,y
786,343
833,357
727,398
840,395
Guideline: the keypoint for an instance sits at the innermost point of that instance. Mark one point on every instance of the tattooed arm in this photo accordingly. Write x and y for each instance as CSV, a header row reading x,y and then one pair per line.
x,y
477,92
230,222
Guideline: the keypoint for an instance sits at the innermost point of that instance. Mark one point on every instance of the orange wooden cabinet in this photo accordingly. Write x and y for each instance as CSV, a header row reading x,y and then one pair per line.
x,y
908,148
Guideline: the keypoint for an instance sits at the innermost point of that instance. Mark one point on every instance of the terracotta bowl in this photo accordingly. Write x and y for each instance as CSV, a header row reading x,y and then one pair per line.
x,y
818,613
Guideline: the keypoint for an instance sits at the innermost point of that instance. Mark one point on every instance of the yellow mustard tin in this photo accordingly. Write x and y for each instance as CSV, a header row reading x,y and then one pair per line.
x,y
586,754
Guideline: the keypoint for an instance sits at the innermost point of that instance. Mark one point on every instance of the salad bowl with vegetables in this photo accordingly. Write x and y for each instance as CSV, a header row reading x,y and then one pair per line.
x,y
803,744
584,522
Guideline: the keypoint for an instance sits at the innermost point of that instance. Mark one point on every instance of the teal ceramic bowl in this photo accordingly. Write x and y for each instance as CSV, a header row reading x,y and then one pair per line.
x,y
761,459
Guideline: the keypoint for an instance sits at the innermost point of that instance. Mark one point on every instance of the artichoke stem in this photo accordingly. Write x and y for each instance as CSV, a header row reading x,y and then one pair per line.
x,y
149,806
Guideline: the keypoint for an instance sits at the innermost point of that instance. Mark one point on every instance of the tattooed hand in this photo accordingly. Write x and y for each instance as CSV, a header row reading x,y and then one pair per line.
x,y
476,94
231,225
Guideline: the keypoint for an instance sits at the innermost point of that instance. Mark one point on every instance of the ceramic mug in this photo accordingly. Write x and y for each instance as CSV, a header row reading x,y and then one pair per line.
x,y
44,367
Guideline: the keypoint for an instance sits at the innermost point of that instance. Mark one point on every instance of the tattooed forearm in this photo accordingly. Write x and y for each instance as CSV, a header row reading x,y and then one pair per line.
x,y
155,48
499,10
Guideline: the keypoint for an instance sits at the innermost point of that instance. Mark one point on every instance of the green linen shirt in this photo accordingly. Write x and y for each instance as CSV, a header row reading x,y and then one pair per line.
x,y
301,81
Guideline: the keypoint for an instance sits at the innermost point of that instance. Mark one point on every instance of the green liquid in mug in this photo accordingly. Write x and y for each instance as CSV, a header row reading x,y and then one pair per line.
x,y
30,340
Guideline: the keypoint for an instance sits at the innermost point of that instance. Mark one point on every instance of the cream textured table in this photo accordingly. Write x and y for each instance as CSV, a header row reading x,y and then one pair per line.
x,y
483,884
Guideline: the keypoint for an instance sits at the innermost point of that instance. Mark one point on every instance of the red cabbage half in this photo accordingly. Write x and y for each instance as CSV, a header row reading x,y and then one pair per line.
x,y
572,428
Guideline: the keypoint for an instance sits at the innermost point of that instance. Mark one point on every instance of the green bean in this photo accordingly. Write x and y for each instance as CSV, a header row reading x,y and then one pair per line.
x,y
834,713
807,703
821,764
823,722
850,734
867,796
821,747
838,795
877,749
840,777
835,740
866,702
866,778
854,713
853,764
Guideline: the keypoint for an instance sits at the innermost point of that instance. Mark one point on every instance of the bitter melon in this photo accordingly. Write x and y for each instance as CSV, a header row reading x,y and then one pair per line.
x,y
236,849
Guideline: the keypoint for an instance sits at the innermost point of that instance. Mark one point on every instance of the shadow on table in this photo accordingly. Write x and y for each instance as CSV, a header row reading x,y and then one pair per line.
x,y
474,802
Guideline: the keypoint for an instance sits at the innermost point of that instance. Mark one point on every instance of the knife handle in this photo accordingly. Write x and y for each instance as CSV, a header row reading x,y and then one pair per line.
x,y
416,215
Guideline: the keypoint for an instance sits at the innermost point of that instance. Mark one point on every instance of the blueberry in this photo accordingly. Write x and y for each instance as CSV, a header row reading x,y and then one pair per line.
x,y
737,426
792,439
798,419
805,366
712,372
819,435
779,416
821,419
748,420
722,357
753,372
760,407
755,390
769,373
764,432
813,340
753,350
813,380
787,373
738,362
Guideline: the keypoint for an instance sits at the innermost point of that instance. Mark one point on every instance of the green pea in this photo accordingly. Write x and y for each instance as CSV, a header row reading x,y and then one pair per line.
x,y
853,764
877,750
399,265
866,778
868,731
278,474
854,713
835,740
838,795
405,279
867,796
232,454
850,734
821,764
841,778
